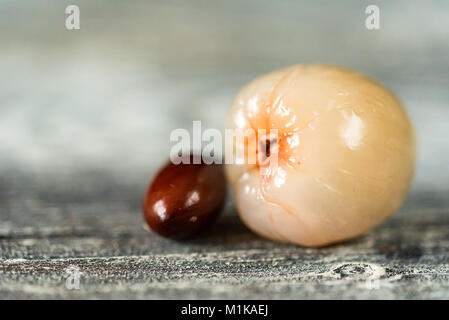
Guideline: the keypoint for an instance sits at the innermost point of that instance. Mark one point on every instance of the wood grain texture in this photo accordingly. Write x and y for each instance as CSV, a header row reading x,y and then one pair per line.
x,y
85,119
406,258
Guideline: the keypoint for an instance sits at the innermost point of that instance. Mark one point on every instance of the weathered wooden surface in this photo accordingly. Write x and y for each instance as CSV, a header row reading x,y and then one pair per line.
x,y
44,231
85,118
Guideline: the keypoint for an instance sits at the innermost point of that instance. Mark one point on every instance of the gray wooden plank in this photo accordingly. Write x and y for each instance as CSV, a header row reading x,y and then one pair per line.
x,y
407,256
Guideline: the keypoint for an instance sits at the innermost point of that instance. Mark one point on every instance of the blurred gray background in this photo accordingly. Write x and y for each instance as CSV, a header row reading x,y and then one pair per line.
x,y
108,95
85,117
